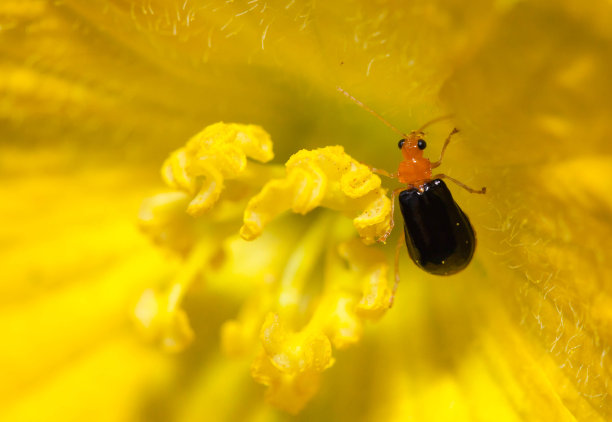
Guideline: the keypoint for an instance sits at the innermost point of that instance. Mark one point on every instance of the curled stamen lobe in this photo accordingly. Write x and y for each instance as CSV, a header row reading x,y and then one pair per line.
x,y
326,177
214,155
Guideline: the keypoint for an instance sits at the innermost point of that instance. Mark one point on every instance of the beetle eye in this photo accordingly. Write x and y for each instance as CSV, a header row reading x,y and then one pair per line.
x,y
400,144
421,144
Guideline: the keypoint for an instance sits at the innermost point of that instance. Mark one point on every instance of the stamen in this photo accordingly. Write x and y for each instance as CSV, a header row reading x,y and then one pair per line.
x,y
290,335
301,263
326,177
217,153
158,313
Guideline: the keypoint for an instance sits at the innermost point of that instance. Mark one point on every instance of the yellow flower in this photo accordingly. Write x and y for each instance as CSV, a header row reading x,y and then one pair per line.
x,y
106,270
290,355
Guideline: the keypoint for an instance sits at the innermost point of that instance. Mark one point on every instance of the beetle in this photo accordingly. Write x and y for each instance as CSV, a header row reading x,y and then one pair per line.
x,y
438,235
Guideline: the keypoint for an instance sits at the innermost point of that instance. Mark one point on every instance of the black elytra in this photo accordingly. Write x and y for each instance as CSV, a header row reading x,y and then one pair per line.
x,y
439,236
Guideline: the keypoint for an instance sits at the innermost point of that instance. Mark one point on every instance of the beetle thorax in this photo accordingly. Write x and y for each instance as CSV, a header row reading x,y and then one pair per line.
x,y
414,171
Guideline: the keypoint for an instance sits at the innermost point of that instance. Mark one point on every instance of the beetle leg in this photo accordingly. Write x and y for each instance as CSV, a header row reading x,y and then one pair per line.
x,y
466,187
398,248
448,138
383,238
382,172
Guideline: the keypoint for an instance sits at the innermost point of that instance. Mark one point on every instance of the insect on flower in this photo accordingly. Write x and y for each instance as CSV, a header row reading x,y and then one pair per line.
x,y
438,234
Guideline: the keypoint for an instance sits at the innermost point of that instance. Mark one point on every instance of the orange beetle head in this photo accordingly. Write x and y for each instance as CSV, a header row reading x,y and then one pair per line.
x,y
412,146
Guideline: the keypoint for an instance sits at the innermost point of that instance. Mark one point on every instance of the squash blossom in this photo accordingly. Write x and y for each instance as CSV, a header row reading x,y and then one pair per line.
x,y
190,217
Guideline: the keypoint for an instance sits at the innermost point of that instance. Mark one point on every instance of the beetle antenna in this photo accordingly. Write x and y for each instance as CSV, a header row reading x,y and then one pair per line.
x,y
436,120
365,107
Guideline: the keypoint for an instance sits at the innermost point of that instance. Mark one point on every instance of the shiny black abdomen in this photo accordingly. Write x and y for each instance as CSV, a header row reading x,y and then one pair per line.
x,y
439,236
